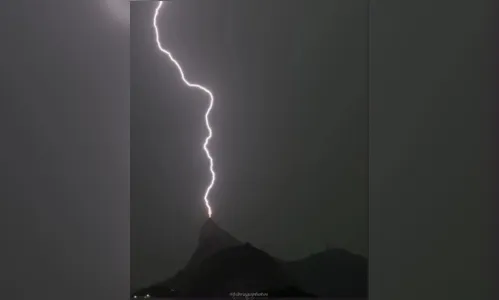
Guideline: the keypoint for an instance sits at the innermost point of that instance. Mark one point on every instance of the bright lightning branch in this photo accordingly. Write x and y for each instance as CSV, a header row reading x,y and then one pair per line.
x,y
207,114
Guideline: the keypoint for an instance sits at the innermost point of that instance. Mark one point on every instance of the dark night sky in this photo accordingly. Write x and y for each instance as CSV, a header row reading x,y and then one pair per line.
x,y
64,150
290,128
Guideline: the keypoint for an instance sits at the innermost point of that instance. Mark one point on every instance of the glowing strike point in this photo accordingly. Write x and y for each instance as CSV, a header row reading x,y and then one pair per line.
x,y
197,86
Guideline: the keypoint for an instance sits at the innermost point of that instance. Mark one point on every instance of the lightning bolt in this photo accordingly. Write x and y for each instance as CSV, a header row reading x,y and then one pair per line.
x,y
206,116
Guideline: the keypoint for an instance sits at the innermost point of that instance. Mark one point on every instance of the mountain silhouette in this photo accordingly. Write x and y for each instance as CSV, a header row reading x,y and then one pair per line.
x,y
221,264
242,269
211,239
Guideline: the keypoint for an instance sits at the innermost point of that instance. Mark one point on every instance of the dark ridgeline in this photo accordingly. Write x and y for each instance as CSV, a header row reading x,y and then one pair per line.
x,y
221,264
211,240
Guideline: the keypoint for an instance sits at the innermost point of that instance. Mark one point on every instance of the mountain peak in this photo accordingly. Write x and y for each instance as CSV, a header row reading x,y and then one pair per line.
x,y
213,234
211,239
209,223
209,230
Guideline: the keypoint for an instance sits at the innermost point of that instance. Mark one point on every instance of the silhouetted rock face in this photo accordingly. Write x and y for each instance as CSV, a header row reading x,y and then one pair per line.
x,y
237,269
243,269
211,239
221,265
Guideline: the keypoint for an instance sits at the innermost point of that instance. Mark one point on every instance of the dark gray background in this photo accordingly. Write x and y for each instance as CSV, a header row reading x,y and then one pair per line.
x,y
64,122
290,124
